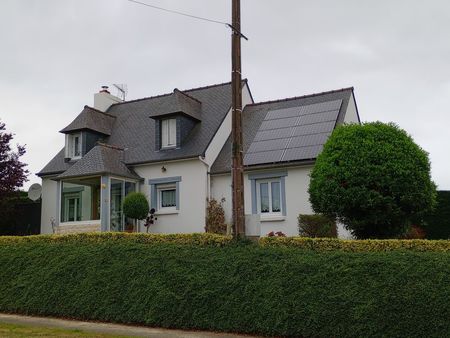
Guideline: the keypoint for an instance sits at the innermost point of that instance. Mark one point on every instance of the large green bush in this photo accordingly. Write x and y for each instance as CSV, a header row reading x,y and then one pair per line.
x,y
374,178
275,291
135,205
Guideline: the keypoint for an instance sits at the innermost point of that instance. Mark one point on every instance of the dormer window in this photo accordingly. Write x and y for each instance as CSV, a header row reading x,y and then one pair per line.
x,y
168,133
73,146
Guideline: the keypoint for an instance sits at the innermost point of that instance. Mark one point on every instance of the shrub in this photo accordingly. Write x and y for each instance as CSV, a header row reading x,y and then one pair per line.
x,y
215,217
373,178
317,226
437,223
274,291
135,205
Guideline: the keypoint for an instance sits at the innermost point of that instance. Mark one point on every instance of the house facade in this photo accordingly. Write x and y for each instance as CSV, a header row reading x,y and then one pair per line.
x,y
176,149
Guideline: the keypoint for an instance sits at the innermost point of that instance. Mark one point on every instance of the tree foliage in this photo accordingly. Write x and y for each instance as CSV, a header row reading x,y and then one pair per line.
x,y
12,171
374,178
135,205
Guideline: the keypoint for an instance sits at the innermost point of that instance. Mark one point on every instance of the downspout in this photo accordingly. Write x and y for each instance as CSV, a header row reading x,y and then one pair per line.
x,y
208,179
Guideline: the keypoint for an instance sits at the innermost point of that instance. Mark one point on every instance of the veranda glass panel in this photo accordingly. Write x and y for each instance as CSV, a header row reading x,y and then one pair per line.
x,y
276,196
264,192
116,219
80,200
130,224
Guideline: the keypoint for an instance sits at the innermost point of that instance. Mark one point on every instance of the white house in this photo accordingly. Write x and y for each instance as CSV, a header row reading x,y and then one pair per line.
x,y
176,149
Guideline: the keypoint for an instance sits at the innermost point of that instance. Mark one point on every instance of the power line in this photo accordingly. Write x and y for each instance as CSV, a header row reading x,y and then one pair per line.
x,y
181,13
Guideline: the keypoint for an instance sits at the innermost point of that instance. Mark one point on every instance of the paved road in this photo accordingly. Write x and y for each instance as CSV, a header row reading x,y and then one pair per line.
x,y
114,329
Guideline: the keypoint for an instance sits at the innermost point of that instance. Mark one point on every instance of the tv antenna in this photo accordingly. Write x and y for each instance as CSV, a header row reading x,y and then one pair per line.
x,y
122,90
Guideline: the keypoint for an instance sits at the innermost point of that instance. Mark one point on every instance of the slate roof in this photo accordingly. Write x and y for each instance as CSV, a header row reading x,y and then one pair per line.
x,y
91,119
289,130
134,131
179,102
102,159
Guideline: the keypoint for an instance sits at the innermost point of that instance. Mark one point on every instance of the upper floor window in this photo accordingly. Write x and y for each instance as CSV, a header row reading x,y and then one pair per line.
x,y
168,133
73,146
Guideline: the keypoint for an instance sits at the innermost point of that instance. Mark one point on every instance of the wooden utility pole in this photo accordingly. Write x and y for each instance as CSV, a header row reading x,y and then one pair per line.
x,y
237,170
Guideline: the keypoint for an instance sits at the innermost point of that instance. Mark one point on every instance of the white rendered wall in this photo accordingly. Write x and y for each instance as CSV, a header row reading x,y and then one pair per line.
x,y
297,198
49,200
224,130
193,189
351,115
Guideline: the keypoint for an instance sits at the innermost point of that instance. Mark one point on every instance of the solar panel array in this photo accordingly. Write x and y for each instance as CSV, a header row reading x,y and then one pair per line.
x,y
295,133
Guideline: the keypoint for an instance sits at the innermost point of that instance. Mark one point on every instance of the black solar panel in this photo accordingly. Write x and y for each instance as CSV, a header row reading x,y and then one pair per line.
x,y
293,133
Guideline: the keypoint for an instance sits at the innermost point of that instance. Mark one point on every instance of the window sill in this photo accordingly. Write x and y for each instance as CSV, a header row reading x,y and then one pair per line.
x,y
167,212
272,218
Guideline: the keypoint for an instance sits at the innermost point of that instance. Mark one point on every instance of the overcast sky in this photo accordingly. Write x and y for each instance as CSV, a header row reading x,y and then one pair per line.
x,y
55,54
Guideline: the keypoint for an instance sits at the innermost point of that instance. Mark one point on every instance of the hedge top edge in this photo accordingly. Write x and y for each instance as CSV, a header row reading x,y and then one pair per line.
x,y
208,239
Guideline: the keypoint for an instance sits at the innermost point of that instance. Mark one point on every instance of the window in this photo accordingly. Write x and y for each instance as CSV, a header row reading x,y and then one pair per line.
x,y
167,198
73,146
165,194
80,200
168,133
269,196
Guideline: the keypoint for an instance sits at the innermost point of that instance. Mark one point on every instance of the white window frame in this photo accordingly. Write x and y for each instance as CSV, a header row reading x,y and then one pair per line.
x,y
269,182
164,187
169,133
70,145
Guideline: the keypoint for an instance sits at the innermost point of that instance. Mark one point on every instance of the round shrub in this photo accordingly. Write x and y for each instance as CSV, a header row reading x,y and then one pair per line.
x,y
135,205
374,178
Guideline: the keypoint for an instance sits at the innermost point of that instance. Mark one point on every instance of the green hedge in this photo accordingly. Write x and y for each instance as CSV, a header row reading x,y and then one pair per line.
x,y
209,282
368,245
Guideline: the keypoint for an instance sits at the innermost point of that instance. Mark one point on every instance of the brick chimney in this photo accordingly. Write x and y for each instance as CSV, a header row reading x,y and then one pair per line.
x,y
103,99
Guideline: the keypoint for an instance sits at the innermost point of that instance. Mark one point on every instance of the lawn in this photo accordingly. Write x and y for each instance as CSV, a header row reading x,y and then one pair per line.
x,y
14,330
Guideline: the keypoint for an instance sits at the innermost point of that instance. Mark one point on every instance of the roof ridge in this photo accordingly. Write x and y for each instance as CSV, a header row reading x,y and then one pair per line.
x,y
301,96
188,96
98,111
167,94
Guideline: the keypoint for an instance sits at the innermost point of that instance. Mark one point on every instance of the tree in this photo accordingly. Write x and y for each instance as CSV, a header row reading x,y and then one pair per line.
x,y
12,171
135,205
373,178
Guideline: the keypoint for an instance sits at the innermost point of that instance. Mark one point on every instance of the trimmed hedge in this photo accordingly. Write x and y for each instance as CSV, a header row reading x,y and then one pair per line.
x,y
368,245
210,282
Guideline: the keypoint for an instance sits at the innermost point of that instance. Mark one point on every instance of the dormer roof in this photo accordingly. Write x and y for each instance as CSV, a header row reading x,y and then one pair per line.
x,y
91,119
178,103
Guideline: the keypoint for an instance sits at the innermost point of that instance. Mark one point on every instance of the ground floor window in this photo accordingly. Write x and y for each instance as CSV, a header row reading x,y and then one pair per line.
x,y
269,196
165,194
118,221
80,200
167,197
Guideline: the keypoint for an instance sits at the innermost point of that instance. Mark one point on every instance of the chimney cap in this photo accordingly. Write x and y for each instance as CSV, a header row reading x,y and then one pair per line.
x,y
104,90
